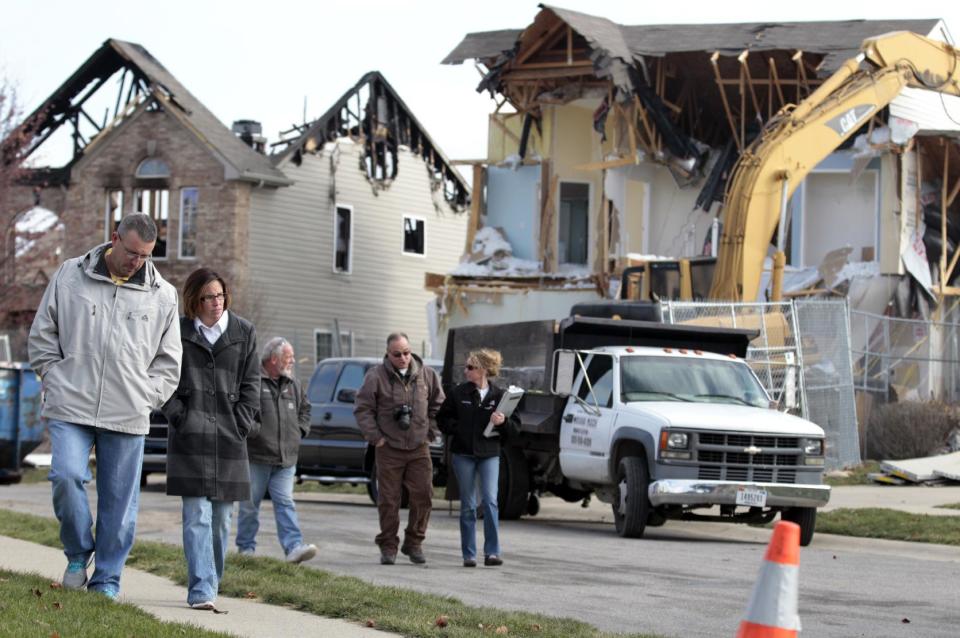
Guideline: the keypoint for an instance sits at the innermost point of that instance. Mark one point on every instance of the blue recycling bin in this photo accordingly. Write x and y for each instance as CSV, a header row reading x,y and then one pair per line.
x,y
21,428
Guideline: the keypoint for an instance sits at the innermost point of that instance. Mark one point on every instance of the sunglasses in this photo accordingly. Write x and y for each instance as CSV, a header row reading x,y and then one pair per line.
x,y
471,367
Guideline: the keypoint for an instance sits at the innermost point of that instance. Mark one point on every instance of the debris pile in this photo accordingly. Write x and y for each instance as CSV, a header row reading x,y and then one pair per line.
x,y
928,470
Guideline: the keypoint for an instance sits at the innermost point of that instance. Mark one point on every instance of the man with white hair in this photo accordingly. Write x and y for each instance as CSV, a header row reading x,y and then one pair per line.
x,y
284,420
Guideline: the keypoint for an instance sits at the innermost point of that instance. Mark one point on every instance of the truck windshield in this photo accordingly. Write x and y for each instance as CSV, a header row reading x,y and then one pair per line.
x,y
689,379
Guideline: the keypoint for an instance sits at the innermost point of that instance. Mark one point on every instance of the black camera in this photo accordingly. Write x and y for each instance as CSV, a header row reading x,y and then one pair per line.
x,y
402,416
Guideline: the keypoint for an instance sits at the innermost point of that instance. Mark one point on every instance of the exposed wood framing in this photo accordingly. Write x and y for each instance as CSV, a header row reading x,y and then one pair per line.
x,y
774,84
542,42
742,58
599,166
647,127
549,183
726,104
801,75
943,214
476,205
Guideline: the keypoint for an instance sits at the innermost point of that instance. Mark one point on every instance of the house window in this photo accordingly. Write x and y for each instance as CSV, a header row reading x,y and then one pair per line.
x,y
188,222
153,168
414,235
114,211
324,345
343,239
155,203
574,223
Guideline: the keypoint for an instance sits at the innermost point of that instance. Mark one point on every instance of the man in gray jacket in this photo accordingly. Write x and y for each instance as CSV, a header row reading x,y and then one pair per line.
x,y
284,420
106,343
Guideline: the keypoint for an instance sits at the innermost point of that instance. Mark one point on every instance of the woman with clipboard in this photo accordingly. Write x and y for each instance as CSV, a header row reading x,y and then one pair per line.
x,y
465,415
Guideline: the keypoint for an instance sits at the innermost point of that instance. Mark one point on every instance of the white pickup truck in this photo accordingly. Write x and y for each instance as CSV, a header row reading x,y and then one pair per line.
x,y
659,421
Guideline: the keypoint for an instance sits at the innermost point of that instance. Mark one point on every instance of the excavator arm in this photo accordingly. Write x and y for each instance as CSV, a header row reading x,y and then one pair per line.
x,y
798,138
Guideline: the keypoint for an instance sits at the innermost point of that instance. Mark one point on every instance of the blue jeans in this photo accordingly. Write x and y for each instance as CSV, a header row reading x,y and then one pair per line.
x,y
467,468
206,534
279,480
119,460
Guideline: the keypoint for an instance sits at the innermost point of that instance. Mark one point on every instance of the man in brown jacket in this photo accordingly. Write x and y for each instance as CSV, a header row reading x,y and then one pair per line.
x,y
396,408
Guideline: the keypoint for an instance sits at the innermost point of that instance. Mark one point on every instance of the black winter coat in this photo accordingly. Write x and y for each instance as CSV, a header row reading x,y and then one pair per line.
x,y
464,417
213,412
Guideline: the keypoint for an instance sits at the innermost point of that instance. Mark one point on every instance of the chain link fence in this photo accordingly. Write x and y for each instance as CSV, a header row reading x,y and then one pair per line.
x,y
802,357
906,359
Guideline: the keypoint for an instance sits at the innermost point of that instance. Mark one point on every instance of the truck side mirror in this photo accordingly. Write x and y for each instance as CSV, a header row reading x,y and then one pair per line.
x,y
564,372
347,395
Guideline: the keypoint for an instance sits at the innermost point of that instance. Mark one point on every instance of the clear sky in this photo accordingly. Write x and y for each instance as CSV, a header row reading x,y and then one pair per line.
x,y
261,60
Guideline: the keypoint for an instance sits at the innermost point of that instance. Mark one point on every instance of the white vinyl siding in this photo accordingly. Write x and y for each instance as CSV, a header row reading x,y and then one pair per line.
x,y
292,249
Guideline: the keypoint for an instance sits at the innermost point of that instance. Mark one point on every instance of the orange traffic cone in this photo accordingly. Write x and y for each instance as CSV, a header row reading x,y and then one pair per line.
x,y
773,606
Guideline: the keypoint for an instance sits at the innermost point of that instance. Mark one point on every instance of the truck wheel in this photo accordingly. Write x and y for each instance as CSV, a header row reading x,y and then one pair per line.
x,y
373,490
514,488
631,511
656,519
806,518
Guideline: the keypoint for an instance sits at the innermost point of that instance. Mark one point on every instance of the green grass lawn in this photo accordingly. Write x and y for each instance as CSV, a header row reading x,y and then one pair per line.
x,y
950,506
890,525
316,591
30,607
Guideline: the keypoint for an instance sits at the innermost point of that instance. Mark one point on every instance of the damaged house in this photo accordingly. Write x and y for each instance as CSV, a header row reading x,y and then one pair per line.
x,y
615,143
345,217
609,153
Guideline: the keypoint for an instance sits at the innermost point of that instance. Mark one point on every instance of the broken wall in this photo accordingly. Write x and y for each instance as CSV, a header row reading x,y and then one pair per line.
x,y
504,131
513,205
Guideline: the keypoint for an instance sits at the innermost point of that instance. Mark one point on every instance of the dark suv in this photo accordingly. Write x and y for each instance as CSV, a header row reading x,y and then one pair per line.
x,y
155,447
335,451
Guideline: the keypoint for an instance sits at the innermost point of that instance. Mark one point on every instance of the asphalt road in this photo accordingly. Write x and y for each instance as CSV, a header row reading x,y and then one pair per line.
x,y
682,579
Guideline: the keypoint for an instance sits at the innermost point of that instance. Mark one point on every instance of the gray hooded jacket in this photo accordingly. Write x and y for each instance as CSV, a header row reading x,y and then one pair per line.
x,y
108,354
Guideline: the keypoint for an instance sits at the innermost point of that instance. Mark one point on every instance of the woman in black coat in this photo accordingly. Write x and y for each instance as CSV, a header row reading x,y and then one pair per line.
x,y
211,415
464,415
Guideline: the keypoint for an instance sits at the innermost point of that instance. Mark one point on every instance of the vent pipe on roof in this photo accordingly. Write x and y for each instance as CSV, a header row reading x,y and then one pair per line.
x,y
250,133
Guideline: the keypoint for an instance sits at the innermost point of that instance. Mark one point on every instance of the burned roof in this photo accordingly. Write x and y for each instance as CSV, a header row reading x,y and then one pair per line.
x,y
373,111
153,79
836,40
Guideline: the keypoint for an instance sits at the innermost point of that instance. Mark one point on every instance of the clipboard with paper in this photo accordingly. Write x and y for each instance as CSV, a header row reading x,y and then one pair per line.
x,y
508,403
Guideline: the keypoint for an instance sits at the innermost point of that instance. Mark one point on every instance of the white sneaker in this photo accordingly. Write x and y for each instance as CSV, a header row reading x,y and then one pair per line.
x,y
207,605
301,553
247,552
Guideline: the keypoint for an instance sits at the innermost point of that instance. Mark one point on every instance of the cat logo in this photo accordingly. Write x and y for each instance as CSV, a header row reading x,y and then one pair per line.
x,y
849,120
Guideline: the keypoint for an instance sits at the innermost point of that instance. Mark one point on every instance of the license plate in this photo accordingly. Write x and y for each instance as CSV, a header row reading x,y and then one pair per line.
x,y
751,497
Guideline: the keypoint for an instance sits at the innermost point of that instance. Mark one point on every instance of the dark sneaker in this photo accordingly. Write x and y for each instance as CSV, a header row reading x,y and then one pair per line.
x,y
388,558
492,560
469,562
415,554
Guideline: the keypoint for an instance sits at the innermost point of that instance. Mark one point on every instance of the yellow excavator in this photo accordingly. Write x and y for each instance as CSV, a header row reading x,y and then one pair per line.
x,y
799,138
791,145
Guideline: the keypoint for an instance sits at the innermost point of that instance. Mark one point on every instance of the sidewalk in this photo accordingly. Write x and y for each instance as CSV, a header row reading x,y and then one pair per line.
x,y
167,600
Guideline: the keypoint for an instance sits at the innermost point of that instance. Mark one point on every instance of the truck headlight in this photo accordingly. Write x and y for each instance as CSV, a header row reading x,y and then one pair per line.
x,y
813,447
670,441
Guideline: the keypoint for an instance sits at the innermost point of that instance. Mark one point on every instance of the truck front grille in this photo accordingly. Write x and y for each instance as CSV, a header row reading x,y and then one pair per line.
x,y
723,456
